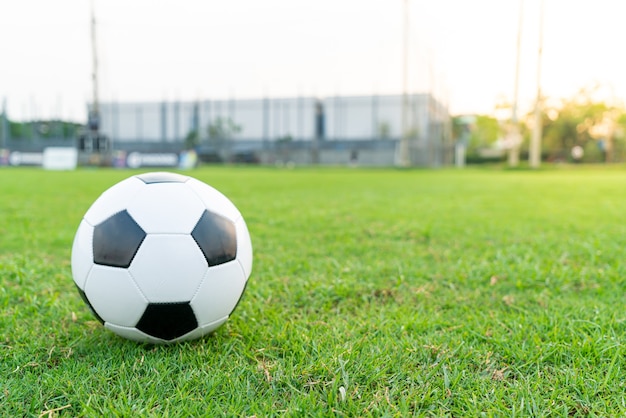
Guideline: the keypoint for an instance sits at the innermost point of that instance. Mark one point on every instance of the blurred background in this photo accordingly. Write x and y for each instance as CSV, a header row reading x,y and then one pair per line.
x,y
402,82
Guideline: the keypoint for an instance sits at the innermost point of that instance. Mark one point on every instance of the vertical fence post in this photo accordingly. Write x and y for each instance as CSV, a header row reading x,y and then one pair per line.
x,y
56,126
138,122
319,130
5,125
266,123
116,123
300,114
34,131
336,118
163,118
375,130
195,120
176,121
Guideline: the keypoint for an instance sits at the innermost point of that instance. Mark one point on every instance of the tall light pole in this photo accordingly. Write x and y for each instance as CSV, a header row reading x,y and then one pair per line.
x,y
515,133
404,135
534,155
94,114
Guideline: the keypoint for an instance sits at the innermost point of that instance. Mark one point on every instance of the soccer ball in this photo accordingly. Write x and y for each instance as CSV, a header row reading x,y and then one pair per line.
x,y
161,257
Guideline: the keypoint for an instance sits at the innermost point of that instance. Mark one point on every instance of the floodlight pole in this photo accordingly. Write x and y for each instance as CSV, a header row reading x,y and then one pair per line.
x,y
515,131
95,107
534,155
404,137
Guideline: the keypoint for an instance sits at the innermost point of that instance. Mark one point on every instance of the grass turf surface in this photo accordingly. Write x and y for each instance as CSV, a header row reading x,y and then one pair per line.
x,y
373,293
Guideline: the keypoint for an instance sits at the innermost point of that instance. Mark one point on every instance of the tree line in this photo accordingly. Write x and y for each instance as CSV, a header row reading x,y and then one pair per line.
x,y
38,129
580,128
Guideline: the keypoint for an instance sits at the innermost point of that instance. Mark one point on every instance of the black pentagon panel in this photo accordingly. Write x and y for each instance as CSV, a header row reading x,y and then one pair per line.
x,y
217,238
84,298
162,177
116,240
168,320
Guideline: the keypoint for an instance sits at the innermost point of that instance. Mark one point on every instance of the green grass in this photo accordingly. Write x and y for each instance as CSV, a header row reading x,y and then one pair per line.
x,y
373,293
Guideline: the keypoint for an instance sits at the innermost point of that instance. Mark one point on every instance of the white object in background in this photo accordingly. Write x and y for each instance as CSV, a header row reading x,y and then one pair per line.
x,y
60,158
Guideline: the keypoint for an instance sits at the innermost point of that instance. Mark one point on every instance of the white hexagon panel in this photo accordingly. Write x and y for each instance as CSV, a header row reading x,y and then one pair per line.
x,y
166,208
82,254
244,246
219,293
168,267
114,296
161,257
214,200
113,200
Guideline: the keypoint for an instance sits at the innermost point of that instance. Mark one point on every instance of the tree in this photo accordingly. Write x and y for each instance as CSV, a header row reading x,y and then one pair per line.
x,y
585,121
223,128
192,139
384,130
483,133
486,132
42,129
220,133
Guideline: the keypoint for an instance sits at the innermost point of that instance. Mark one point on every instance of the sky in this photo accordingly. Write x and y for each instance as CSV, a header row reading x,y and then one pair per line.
x,y
464,52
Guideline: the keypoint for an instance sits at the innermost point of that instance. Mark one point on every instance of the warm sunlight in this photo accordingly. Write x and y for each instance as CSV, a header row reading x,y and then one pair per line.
x,y
462,51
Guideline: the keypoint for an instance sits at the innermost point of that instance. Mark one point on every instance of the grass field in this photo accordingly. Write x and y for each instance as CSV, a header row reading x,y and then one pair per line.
x,y
373,293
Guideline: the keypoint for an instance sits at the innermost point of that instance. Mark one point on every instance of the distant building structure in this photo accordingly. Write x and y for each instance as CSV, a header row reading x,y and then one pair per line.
x,y
339,130
363,130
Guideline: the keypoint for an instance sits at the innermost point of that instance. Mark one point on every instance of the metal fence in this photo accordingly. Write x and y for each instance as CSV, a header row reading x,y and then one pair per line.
x,y
269,127
363,130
